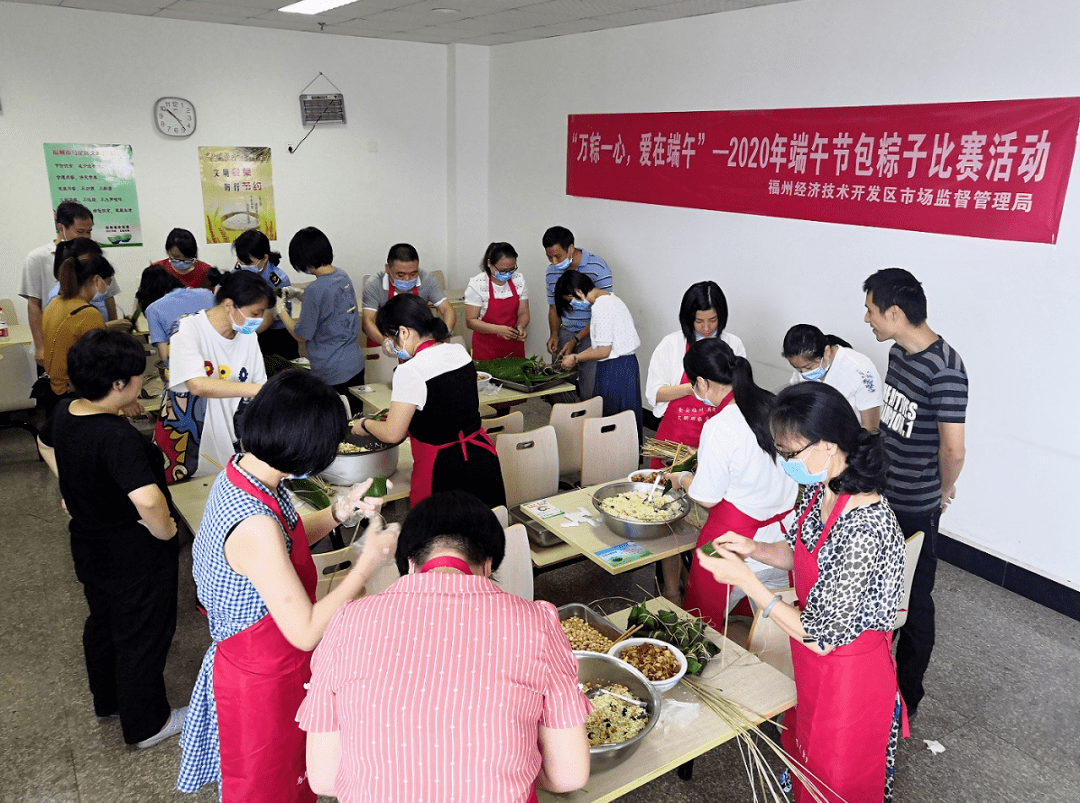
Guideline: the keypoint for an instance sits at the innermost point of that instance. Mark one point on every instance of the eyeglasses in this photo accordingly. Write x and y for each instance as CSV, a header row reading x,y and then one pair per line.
x,y
792,455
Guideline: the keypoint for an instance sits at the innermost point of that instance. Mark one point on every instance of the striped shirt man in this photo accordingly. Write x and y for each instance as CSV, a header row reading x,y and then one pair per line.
x,y
922,390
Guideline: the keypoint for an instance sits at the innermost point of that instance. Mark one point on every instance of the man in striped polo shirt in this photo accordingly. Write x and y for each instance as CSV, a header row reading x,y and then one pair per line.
x,y
570,334
922,417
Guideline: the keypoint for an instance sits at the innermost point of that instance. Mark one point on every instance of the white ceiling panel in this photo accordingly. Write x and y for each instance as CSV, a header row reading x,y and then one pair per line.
x,y
479,22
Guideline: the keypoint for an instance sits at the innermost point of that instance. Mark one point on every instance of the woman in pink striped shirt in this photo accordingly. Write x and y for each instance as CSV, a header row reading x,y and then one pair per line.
x,y
444,687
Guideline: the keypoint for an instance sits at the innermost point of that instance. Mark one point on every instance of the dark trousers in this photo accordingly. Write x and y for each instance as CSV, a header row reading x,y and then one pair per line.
x,y
355,405
586,378
280,342
126,641
915,640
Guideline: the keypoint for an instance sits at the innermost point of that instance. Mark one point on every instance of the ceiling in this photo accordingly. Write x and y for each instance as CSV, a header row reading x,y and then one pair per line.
x,y
475,22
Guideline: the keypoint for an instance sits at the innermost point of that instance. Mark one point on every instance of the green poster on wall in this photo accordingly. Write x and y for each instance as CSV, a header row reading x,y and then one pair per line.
x,y
101,178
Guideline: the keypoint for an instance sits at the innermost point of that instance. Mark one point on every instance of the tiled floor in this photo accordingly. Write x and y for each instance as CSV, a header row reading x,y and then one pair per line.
x,y
1002,695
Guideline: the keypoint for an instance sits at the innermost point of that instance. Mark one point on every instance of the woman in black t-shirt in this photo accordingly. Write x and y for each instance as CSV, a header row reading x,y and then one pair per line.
x,y
123,537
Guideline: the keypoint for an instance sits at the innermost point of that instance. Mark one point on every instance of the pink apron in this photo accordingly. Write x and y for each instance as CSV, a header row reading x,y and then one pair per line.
x,y
840,726
502,312
258,684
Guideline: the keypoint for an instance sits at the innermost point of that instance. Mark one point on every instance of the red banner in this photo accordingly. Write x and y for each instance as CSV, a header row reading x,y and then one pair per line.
x,y
993,169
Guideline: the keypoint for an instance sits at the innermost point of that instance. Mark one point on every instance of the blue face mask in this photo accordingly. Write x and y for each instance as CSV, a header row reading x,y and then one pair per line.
x,y
182,264
703,399
504,277
698,336
578,304
402,354
797,470
249,327
815,375
562,265
303,476
404,286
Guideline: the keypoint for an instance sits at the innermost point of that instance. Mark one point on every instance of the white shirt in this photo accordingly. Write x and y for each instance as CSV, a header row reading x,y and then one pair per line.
x,y
613,325
732,466
855,376
666,365
37,275
195,344
476,292
411,377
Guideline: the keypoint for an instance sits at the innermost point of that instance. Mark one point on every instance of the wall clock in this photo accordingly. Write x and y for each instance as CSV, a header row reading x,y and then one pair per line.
x,y
174,117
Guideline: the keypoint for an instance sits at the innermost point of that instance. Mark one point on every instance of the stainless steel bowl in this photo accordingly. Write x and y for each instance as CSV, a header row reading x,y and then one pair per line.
x,y
630,528
349,469
593,668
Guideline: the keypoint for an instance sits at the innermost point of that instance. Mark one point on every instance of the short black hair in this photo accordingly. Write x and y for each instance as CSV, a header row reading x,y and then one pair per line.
x,y
156,283
70,211
101,357
560,236
252,245
807,341
819,412
73,248
402,252
184,241
244,287
310,248
568,284
698,298
452,519
411,311
295,423
891,287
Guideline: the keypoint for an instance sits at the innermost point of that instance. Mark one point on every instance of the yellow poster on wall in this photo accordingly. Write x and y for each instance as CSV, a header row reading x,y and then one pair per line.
x,y
238,192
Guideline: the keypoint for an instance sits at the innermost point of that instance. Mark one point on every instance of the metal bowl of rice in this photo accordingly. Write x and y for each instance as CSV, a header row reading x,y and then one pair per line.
x,y
635,529
596,668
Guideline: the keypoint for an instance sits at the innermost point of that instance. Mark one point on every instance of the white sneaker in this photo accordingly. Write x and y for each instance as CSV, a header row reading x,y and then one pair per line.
x,y
173,725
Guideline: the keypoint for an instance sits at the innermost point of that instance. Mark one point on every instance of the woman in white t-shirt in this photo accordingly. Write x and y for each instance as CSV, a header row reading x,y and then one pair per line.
x,y
497,305
817,357
614,341
214,363
738,477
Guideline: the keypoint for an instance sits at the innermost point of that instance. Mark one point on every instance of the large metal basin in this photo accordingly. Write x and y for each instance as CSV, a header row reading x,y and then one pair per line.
x,y
349,469
631,529
594,667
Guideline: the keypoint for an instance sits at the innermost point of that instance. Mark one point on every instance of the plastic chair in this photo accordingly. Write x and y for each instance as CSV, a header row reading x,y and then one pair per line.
x,y
530,464
912,548
502,514
18,371
609,448
332,566
509,424
769,642
515,575
568,420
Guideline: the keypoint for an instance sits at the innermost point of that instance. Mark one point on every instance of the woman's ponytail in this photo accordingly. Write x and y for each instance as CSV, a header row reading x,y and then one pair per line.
x,y
755,403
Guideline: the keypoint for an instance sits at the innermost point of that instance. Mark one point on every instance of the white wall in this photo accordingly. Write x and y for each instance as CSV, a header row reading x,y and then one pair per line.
x,y
1008,308
86,77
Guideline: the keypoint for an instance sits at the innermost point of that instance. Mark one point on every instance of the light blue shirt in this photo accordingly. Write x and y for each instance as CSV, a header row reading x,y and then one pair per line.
x,y
98,301
163,315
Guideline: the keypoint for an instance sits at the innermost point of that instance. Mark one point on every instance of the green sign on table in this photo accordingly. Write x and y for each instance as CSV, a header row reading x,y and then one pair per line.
x,y
101,178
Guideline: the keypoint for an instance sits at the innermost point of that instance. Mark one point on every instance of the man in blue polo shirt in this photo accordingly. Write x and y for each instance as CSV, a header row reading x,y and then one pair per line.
x,y
570,334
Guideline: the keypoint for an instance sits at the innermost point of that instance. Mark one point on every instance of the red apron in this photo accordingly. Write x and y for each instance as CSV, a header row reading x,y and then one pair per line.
x,y
683,420
840,726
258,681
450,562
503,312
424,454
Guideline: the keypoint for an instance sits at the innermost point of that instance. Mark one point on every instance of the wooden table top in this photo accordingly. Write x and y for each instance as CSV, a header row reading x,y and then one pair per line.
x,y
588,540
688,727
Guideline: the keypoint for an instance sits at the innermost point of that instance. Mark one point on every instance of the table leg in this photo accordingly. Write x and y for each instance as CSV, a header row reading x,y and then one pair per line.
x,y
686,771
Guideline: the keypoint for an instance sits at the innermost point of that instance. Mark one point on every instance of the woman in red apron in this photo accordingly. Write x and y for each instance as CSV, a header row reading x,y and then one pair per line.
x,y
847,552
256,580
738,477
703,314
434,401
497,305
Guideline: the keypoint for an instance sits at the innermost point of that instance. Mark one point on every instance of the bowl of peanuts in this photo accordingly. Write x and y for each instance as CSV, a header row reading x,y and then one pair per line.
x,y
587,630
661,663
